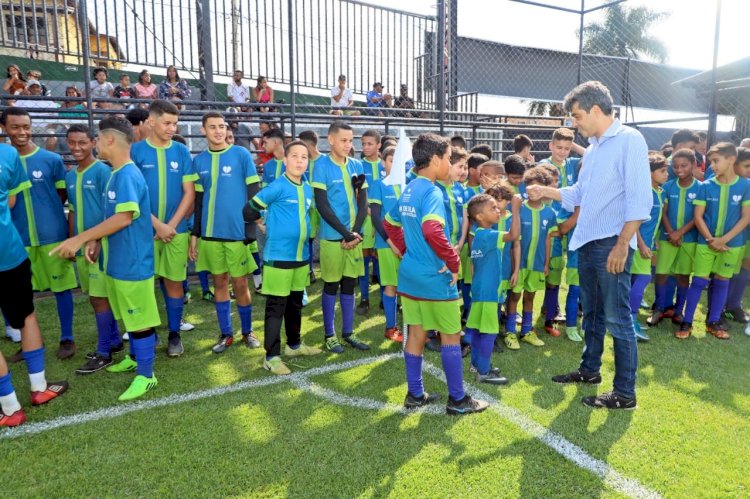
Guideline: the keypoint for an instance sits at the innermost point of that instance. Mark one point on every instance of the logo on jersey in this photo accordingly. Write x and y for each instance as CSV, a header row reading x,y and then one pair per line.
x,y
37,174
292,201
570,179
476,254
71,186
545,222
691,196
736,198
227,170
407,211
88,182
174,165
111,194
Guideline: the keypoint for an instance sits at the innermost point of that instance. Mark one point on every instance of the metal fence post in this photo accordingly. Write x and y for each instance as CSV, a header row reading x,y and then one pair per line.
x,y
292,82
580,41
83,24
441,64
713,103
205,52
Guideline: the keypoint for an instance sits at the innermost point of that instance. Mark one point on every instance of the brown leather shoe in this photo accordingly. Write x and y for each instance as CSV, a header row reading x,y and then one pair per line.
x,y
67,350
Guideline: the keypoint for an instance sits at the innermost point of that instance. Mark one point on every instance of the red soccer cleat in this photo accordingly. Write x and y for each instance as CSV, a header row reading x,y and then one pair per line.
x,y
394,334
549,326
16,419
54,390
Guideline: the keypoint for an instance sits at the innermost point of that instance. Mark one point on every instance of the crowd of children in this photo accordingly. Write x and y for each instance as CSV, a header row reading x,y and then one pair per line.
x,y
460,234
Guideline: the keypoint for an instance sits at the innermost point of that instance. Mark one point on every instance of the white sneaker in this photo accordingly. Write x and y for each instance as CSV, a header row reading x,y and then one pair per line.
x,y
125,337
186,326
13,334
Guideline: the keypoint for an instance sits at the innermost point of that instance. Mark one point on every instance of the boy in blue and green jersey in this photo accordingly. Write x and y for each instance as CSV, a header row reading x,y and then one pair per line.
x,y
515,168
168,169
340,188
473,181
87,186
566,223
17,300
273,144
227,180
125,239
678,239
287,202
383,197
738,283
640,269
428,275
310,139
722,212
551,304
487,258
538,226
39,218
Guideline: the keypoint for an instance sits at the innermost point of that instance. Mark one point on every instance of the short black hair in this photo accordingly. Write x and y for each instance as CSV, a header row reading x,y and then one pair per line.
x,y
588,95
160,107
656,161
496,167
477,204
726,149
426,147
274,133
100,70
293,143
179,138
743,154
515,165
79,128
209,115
338,125
476,160
119,124
482,149
685,153
684,135
458,141
521,142
501,192
137,116
13,111
309,136
372,133
551,169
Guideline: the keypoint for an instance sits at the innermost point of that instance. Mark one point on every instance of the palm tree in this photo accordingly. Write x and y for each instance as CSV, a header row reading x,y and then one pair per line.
x,y
624,33
544,108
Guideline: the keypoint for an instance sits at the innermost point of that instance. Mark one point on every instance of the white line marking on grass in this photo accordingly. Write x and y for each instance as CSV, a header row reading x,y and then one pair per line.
x,y
558,443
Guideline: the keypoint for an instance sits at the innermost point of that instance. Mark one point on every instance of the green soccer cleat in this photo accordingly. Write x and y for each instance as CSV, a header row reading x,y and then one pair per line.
x,y
302,350
511,342
276,366
532,339
572,333
138,388
126,365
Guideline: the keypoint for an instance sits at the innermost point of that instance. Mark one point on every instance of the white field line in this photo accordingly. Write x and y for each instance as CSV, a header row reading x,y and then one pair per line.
x,y
558,443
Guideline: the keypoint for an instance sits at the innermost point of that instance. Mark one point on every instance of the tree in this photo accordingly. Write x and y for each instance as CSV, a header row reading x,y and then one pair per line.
x,y
624,33
544,108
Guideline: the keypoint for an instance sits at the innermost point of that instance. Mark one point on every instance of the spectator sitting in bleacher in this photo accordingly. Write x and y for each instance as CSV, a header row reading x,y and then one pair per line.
x,y
100,88
124,91
174,88
342,99
145,89
377,100
73,91
16,82
263,94
35,74
237,92
403,101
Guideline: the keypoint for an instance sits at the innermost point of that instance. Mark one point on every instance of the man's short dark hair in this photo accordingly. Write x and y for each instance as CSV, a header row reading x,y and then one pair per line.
x,y
482,149
160,107
458,141
274,133
79,128
588,95
13,111
684,135
515,165
118,124
476,160
373,134
137,116
521,142
426,147
309,136
209,115
337,126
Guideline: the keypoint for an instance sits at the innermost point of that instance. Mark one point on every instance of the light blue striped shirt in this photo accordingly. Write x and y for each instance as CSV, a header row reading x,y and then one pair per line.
x,y
614,186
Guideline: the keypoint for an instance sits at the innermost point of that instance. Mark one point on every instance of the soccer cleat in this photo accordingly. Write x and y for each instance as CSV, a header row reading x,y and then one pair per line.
x,y
465,350
209,296
16,357
185,326
13,335
466,405
54,390
355,343
67,349
677,319
186,298
532,339
138,388
560,317
301,351
655,318
491,378
332,345
433,344
16,419
394,334
412,402
639,334
549,326
736,315
645,305
126,365
686,329
610,400
276,366
305,298
717,330
174,347
250,340
511,341
94,364
493,370
125,337
363,307
112,350
259,289
223,343
573,334
578,376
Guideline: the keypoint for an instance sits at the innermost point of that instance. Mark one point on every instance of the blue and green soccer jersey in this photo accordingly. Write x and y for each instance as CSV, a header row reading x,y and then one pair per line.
x,y
272,169
129,252
536,224
38,214
287,206
387,197
723,204
571,261
568,171
486,259
453,199
373,170
86,191
506,268
336,180
223,177
165,170
649,228
411,175
680,207
13,180
419,275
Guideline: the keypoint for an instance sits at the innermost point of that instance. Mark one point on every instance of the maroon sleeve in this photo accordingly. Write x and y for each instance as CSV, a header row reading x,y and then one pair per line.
x,y
395,234
433,233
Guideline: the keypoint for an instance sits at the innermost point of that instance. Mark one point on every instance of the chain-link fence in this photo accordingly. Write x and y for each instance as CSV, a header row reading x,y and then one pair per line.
x,y
486,70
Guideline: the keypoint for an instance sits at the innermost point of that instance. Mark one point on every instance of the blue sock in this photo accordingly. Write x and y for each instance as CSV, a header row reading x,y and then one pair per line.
x,y
669,295
571,306
246,318
660,290
144,352
114,332
104,322
163,288
203,278
526,322
737,287
467,338
454,376
224,316
347,314
6,386
258,263
486,342
34,360
552,302
718,300
65,313
466,295
679,306
510,323
329,313
475,338
185,286
414,374
390,306
693,297
310,247
174,313
364,287
637,288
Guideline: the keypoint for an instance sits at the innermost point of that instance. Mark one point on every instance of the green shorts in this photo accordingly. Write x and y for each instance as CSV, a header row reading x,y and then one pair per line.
x,y
640,265
170,260
556,266
466,264
93,280
530,281
133,302
483,317
314,223
336,262
281,282
388,263
220,257
441,316
675,260
723,264
368,234
50,272
571,276
253,247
